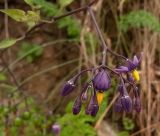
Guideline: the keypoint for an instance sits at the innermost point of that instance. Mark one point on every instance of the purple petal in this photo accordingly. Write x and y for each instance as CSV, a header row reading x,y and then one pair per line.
x,y
122,69
126,103
77,105
102,81
67,88
130,65
84,93
135,61
92,107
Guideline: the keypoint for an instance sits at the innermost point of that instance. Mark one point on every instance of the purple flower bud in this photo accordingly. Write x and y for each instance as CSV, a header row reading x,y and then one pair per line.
x,y
137,104
56,129
126,103
77,105
92,107
85,92
68,87
118,105
84,96
102,80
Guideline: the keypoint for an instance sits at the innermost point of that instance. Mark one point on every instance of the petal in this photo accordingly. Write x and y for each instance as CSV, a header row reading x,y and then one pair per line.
x,y
92,107
126,103
130,65
101,81
77,105
122,69
135,61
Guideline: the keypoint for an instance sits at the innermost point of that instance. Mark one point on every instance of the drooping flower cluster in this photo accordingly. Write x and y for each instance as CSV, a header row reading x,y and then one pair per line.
x,y
101,82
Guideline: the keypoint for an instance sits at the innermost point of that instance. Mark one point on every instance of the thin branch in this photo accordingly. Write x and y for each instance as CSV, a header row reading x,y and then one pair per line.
x,y
104,46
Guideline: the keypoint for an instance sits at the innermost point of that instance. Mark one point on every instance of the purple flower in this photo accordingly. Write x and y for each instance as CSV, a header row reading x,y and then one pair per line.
x,y
126,103
131,65
68,87
102,80
77,105
92,107
56,129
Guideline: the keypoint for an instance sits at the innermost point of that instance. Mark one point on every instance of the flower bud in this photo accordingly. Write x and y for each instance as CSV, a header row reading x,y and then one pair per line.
x,y
84,94
68,87
126,103
102,80
56,129
93,107
77,105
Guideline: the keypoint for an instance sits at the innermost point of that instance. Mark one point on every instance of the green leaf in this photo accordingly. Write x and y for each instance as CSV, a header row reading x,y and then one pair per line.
x,y
64,3
32,18
139,19
29,2
128,123
7,43
15,14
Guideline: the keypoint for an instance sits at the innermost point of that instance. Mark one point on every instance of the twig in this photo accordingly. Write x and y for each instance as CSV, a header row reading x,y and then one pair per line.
x,y
104,46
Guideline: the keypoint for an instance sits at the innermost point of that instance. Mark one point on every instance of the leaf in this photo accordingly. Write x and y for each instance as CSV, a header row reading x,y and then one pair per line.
x,y
15,14
29,2
32,18
139,19
64,3
7,43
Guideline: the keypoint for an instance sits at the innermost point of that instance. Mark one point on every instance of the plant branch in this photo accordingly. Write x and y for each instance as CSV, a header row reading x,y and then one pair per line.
x,y
104,46
57,18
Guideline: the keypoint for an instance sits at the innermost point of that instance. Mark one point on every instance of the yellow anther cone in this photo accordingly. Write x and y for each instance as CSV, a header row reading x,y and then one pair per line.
x,y
135,75
100,96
